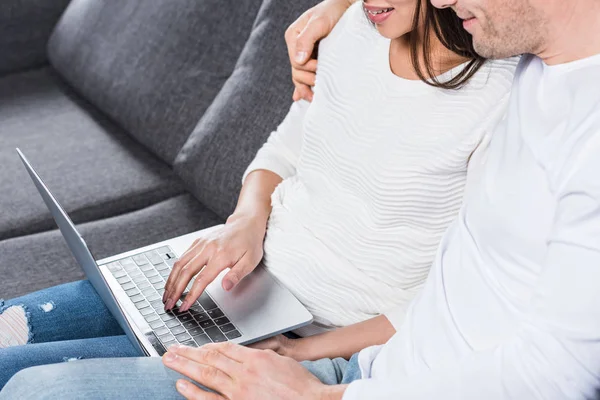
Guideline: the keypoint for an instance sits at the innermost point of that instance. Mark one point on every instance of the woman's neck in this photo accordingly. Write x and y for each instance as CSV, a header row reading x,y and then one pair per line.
x,y
442,60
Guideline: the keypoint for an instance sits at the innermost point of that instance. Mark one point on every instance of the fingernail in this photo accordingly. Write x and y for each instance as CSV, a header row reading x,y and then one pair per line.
x,y
227,284
300,56
184,306
170,304
170,357
182,385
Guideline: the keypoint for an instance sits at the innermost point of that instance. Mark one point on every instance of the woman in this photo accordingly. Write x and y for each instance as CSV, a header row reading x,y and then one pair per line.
x,y
350,195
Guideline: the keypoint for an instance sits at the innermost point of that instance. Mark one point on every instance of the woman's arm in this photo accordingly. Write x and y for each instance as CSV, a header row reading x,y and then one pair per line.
x,y
238,245
341,342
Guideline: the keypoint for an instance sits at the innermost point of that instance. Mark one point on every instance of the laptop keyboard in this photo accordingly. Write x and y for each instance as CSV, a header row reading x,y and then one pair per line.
x,y
143,278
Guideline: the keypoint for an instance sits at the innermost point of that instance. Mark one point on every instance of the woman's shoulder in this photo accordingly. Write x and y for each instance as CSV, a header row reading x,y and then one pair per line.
x,y
352,29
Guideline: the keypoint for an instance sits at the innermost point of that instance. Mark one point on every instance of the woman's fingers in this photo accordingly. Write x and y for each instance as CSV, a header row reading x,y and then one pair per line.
x,y
190,253
186,273
240,270
215,264
267,344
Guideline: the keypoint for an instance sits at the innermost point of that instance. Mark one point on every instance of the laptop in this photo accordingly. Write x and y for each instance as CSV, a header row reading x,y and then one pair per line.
x,y
131,284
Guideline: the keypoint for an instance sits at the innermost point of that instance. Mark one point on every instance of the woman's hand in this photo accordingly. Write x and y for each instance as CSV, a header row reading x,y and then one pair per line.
x,y
237,372
237,245
301,37
281,345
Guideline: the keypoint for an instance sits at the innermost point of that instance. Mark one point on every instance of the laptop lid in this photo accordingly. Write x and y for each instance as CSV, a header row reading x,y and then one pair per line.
x,y
81,252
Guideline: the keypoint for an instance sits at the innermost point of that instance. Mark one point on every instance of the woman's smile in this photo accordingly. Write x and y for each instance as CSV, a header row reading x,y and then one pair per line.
x,y
378,15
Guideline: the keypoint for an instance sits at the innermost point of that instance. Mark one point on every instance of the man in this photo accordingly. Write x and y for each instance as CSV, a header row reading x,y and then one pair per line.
x,y
511,308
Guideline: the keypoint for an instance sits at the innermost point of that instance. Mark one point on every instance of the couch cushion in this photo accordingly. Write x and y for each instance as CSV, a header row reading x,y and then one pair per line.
x,y
153,66
25,26
38,261
251,104
92,167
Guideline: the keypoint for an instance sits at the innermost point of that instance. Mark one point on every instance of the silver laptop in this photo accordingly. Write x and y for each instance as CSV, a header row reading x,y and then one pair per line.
x,y
131,285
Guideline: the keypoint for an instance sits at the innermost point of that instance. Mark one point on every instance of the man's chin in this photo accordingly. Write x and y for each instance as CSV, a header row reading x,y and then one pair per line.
x,y
488,50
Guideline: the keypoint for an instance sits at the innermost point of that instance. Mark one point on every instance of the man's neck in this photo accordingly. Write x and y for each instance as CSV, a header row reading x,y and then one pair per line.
x,y
574,33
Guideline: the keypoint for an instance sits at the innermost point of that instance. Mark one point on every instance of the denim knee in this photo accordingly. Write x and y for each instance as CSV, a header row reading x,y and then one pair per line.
x,y
25,384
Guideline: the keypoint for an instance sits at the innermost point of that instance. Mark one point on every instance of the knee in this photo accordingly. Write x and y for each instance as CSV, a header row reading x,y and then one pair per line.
x,y
42,382
20,386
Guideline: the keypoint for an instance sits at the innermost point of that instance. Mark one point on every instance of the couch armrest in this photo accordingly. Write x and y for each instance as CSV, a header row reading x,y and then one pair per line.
x,y
25,26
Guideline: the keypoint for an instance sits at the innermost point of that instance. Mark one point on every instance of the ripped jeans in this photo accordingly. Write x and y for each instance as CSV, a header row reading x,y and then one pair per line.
x,y
70,322
59,324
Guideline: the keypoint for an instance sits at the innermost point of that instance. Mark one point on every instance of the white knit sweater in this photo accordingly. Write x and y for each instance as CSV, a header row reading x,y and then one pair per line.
x,y
374,170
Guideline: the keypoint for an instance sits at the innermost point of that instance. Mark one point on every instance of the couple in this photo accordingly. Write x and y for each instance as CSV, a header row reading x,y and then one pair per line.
x,y
510,307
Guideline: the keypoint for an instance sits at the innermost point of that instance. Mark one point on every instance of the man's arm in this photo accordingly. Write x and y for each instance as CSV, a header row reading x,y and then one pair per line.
x,y
301,37
556,352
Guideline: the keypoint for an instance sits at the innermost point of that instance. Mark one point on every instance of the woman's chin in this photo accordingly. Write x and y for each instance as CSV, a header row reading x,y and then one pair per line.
x,y
388,33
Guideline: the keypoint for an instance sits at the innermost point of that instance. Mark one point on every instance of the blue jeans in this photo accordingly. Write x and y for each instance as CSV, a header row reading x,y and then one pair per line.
x,y
132,378
79,326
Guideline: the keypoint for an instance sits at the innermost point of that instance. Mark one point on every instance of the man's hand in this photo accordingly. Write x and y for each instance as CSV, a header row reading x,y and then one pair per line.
x,y
301,37
237,373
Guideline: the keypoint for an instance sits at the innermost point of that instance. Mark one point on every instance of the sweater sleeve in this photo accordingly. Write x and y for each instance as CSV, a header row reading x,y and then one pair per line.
x,y
555,354
281,152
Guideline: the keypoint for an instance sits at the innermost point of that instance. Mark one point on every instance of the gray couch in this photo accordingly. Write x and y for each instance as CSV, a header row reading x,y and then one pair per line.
x,y
140,115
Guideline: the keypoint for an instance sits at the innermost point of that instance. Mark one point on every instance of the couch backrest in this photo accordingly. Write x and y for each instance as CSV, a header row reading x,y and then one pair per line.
x,y
25,26
153,66
248,108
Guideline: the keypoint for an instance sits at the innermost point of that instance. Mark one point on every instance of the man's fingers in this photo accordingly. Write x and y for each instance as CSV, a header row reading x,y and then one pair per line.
x,y
304,77
315,29
231,350
208,376
215,265
184,277
209,356
310,66
193,392
305,92
291,35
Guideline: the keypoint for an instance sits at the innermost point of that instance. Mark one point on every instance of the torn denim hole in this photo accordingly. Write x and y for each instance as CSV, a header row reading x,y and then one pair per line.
x,y
15,329
69,359
47,307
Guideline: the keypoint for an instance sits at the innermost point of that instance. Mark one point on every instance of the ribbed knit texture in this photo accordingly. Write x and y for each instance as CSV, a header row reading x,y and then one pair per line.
x,y
374,170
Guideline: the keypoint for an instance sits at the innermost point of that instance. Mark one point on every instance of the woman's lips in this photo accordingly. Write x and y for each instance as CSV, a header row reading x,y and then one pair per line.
x,y
378,14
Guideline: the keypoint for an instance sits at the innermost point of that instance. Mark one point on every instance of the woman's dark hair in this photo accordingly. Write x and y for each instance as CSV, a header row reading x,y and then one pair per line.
x,y
448,28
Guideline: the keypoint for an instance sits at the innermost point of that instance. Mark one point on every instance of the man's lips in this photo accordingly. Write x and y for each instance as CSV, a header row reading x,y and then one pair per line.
x,y
468,23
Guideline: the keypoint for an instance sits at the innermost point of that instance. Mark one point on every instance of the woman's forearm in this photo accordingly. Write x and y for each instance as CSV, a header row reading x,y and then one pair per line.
x,y
343,342
255,197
